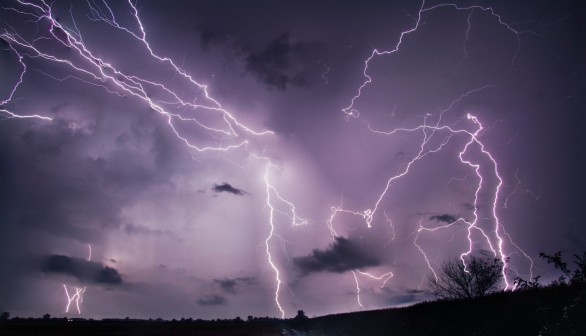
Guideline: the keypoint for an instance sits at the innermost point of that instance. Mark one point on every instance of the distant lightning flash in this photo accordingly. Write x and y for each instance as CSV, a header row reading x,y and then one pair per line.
x,y
77,297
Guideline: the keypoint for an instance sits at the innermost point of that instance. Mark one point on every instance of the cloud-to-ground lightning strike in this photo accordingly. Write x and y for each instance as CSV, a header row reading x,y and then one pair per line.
x,y
272,197
77,297
496,244
91,69
85,65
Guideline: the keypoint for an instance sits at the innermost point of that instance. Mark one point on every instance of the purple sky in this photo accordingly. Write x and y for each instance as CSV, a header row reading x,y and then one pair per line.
x,y
178,231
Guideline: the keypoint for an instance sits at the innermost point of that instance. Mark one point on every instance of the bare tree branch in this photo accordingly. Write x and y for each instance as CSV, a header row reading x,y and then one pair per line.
x,y
481,276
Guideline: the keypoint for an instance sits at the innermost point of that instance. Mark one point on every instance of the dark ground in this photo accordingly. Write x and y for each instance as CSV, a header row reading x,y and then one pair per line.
x,y
556,310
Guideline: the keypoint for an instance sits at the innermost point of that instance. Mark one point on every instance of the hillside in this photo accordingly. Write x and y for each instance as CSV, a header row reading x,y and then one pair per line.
x,y
559,310
542,311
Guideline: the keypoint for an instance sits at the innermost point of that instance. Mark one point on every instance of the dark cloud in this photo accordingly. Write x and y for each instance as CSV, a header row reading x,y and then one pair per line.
x,y
447,218
211,300
341,256
209,37
83,270
229,285
280,64
225,187
62,190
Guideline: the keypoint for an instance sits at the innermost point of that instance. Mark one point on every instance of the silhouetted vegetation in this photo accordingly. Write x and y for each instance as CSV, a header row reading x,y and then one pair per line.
x,y
478,277
578,276
558,308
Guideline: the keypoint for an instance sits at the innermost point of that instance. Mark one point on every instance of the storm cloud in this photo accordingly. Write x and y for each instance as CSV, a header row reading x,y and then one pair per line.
x,y
110,170
225,187
341,256
446,218
279,64
83,270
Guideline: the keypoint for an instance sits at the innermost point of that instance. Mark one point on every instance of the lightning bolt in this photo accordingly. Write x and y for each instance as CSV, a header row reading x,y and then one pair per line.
x,y
273,198
52,36
352,111
86,66
94,69
77,297
428,131
357,290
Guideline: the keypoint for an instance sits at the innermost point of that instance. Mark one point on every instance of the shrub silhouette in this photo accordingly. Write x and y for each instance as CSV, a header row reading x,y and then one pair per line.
x,y
479,277
573,278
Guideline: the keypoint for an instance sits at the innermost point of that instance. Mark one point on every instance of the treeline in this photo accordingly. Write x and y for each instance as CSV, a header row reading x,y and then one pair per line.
x,y
468,303
47,318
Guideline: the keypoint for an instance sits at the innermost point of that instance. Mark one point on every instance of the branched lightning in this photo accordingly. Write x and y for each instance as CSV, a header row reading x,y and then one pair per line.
x,y
428,131
90,68
272,198
86,66
77,297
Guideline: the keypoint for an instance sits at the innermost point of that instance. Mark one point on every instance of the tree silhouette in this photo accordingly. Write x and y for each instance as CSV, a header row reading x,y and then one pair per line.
x,y
576,277
480,276
5,316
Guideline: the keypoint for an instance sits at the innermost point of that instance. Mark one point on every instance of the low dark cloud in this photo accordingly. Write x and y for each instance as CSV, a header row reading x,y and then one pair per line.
x,y
229,285
225,187
341,256
83,270
446,218
280,63
211,300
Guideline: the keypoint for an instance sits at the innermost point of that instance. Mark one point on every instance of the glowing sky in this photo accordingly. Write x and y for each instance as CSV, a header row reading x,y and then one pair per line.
x,y
115,194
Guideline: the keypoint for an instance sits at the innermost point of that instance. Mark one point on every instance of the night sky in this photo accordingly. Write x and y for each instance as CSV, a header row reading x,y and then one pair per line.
x,y
230,162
